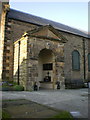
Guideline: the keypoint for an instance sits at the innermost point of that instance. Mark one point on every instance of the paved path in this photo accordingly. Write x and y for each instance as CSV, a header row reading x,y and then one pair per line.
x,y
75,101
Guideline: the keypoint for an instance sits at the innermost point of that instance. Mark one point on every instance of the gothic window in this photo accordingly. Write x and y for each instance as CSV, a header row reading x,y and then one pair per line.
x,y
89,62
75,60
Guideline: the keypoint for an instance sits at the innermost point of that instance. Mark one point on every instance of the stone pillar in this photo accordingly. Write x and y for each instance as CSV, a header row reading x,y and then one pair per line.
x,y
4,7
32,73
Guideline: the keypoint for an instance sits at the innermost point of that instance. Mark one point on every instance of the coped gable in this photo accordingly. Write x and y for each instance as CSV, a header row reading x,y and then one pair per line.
x,y
47,32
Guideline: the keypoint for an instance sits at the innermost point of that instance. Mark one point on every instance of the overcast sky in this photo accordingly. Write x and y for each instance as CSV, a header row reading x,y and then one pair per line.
x,y
74,14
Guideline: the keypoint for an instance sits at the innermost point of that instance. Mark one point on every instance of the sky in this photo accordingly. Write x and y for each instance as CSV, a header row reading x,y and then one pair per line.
x,y
74,14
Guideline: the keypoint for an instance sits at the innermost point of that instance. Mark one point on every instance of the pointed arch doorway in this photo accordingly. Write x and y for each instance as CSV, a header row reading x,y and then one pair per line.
x,y
46,63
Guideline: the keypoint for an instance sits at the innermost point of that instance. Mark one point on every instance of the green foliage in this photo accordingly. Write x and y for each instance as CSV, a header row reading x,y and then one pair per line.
x,y
18,88
14,83
7,86
11,86
5,115
64,115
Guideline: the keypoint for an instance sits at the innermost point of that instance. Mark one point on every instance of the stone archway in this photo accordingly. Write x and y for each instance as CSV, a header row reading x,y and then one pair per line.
x,y
46,61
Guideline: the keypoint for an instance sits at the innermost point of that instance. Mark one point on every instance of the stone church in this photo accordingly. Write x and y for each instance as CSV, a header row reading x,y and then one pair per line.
x,y
38,50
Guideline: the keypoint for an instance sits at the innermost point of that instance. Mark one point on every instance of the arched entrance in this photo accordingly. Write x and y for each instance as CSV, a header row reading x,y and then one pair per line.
x,y
46,63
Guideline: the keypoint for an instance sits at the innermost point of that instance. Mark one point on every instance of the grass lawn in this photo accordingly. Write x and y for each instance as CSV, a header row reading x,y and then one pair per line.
x,y
64,114
29,109
5,114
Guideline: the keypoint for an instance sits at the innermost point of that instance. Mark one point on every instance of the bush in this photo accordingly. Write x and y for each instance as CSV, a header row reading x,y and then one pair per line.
x,y
7,85
18,88
10,86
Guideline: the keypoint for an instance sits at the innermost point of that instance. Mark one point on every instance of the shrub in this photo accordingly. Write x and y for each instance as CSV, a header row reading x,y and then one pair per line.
x,y
18,88
7,85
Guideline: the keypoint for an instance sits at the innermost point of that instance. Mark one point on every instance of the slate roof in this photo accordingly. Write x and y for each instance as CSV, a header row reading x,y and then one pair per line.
x,y
18,15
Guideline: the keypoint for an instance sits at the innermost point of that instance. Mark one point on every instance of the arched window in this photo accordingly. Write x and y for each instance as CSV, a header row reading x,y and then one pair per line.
x,y
89,62
75,60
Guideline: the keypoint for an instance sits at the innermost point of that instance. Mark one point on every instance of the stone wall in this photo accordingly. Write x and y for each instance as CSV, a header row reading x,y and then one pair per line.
x,y
63,55
88,51
75,43
13,31
19,27
30,49
35,46
2,22
15,72
4,7
20,61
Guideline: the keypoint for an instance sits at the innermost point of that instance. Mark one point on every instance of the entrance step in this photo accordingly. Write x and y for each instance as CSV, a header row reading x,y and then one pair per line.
x,y
47,85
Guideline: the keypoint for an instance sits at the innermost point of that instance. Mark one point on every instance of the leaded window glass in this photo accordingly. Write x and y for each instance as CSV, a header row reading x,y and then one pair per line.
x,y
75,60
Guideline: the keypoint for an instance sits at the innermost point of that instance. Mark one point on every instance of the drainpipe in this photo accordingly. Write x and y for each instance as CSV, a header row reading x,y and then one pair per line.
x,y
18,60
84,67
